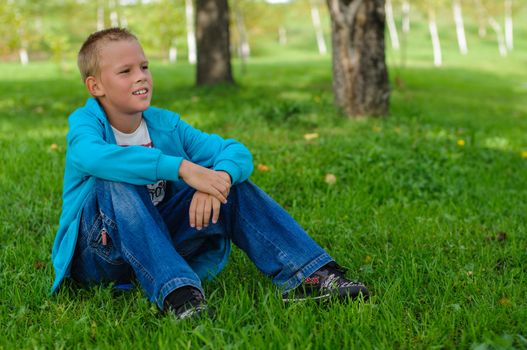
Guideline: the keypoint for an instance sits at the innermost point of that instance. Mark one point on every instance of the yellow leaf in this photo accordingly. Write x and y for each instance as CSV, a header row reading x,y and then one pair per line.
x,y
54,147
524,154
309,137
504,301
461,142
330,179
262,167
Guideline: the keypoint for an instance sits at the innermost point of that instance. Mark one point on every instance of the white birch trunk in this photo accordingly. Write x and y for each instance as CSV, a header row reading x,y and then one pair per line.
x,y
432,26
390,21
172,55
282,36
124,22
114,18
482,28
406,16
315,17
460,28
499,34
100,18
24,57
191,36
508,25
244,50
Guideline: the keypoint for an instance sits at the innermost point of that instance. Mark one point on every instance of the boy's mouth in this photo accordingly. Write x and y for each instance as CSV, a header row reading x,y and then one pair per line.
x,y
143,91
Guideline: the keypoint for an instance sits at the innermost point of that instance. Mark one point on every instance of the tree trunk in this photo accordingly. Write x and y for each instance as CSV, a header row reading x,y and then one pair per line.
x,y
191,36
360,76
460,27
100,17
214,57
508,25
392,29
406,16
436,45
499,34
315,17
244,49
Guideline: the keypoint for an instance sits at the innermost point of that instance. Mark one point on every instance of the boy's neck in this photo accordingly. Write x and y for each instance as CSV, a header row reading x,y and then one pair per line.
x,y
128,125
125,123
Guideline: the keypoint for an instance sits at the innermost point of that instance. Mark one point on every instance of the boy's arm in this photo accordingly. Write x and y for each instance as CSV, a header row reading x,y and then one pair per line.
x,y
212,151
90,154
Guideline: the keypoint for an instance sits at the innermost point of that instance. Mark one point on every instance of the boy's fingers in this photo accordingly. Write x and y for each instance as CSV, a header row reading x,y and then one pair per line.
x,y
217,194
192,213
199,214
207,211
215,211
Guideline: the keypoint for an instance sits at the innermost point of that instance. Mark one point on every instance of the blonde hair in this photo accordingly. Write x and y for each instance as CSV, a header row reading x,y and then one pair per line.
x,y
88,57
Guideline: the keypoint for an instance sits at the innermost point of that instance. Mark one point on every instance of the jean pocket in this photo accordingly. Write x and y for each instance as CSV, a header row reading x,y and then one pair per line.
x,y
102,244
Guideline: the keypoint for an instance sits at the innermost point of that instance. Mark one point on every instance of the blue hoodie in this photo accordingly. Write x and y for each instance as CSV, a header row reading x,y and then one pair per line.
x,y
93,153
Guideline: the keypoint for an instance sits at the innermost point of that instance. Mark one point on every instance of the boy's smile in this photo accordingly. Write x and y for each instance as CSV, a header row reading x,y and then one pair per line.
x,y
124,83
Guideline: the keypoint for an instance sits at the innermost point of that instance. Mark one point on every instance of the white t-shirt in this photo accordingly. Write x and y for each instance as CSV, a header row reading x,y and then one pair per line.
x,y
141,137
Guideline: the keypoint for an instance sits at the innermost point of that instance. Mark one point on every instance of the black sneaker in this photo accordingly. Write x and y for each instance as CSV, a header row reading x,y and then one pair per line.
x,y
186,302
325,283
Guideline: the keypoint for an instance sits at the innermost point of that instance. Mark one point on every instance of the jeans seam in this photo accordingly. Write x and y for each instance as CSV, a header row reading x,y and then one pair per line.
x,y
136,263
282,253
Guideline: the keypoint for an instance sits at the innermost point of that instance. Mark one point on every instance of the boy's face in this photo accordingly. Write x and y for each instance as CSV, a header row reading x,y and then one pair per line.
x,y
124,83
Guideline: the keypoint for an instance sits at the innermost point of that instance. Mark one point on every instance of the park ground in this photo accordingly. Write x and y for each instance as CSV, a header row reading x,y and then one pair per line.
x,y
427,206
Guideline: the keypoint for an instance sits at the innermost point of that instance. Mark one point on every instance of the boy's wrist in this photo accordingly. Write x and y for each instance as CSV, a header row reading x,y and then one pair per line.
x,y
225,175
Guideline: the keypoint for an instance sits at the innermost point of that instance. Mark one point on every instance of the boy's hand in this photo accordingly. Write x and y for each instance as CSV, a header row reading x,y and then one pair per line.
x,y
205,180
201,206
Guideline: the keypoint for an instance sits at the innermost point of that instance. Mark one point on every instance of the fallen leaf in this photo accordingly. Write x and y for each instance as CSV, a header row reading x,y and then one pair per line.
x,y
501,236
312,136
461,143
524,154
262,167
330,179
39,265
54,147
470,273
367,259
504,301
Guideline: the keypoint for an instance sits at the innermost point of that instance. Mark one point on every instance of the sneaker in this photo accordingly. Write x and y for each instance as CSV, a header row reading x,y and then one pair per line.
x,y
186,303
325,283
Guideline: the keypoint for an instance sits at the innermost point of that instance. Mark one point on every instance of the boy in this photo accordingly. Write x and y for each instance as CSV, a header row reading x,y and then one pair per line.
x,y
147,196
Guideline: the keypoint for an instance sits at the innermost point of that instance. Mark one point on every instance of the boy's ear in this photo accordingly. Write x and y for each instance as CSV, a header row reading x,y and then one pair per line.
x,y
94,87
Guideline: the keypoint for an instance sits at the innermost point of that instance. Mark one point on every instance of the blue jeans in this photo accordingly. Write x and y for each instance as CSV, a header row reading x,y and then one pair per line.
x,y
122,235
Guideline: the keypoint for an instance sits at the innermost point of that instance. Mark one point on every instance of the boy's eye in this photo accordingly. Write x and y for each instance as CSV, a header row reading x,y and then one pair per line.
x,y
145,67
124,71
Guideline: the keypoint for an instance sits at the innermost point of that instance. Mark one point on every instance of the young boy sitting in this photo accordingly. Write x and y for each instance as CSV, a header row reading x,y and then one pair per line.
x,y
147,196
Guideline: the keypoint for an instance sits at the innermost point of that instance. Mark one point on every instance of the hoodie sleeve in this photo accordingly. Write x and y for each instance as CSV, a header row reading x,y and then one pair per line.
x,y
90,154
212,151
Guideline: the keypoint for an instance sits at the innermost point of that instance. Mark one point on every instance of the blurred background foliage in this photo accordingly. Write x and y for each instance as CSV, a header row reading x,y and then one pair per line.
x,y
55,29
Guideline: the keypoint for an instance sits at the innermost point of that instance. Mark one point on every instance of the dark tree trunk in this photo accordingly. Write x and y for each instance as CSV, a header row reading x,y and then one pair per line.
x,y
212,36
360,76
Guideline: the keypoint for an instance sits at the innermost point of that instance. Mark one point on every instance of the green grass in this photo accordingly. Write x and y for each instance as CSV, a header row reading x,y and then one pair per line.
x,y
435,229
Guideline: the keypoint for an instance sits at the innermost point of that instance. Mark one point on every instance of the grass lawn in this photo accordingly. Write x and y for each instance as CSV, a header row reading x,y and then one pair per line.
x,y
428,209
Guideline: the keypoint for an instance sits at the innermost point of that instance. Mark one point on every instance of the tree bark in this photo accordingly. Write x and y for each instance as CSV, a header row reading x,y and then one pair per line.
x,y
191,36
436,44
360,75
392,28
214,57
315,17
460,27
508,25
